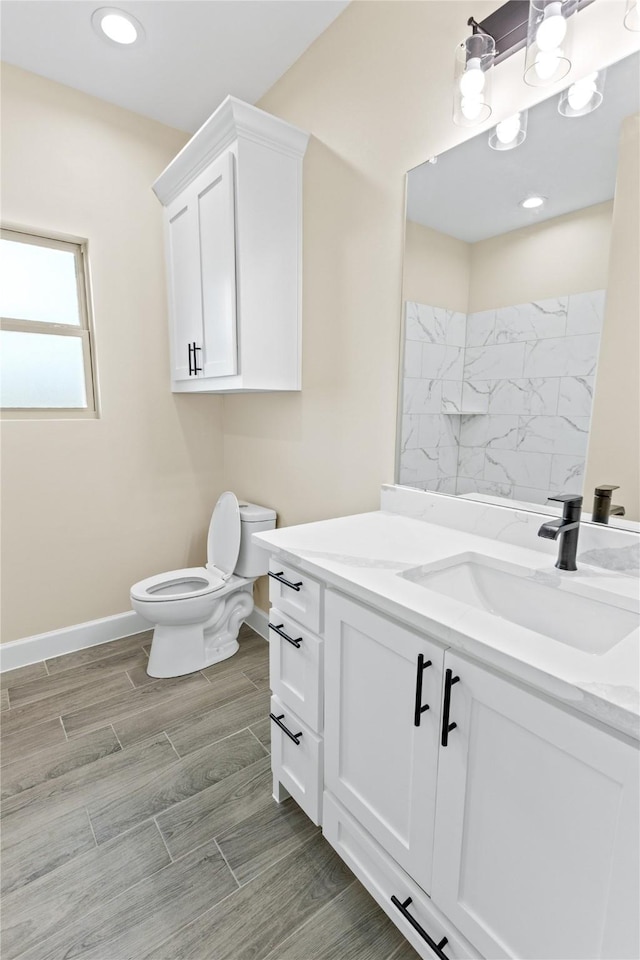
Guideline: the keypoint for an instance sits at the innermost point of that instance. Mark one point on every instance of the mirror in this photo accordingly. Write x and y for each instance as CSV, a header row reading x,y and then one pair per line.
x,y
515,376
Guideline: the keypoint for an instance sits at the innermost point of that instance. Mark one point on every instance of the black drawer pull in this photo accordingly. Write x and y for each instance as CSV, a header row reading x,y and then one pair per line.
x,y
287,583
419,707
447,727
436,947
278,629
292,736
196,368
190,360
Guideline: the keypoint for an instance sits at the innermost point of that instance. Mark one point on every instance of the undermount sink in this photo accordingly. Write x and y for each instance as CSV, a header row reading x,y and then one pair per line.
x,y
533,599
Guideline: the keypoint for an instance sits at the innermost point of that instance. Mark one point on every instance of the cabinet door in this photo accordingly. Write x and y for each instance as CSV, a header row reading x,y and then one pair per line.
x,y
214,198
378,763
185,311
536,841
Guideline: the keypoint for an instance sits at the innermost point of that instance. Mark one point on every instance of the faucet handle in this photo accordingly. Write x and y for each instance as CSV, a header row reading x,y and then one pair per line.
x,y
571,505
605,489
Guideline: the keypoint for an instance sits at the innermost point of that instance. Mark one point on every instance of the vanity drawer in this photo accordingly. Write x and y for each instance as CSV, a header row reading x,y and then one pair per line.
x,y
295,668
297,766
295,594
383,878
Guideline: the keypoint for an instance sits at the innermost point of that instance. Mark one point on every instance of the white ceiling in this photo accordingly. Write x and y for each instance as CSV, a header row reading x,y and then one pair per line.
x,y
473,192
195,51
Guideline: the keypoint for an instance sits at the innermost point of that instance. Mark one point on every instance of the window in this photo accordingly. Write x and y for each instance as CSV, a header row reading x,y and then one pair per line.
x,y
46,366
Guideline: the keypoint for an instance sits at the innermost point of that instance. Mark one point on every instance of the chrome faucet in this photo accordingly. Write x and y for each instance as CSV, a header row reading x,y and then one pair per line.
x,y
602,506
567,529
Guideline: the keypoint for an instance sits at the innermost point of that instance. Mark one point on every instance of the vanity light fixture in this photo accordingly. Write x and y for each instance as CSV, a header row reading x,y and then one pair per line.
x,y
531,203
582,97
632,16
472,85
509,133
548,41
116,26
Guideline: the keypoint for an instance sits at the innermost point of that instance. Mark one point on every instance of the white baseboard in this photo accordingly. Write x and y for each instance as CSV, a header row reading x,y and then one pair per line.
x,y
258,620
42,646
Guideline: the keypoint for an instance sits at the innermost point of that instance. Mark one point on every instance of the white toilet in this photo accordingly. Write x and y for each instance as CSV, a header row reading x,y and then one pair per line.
x,y
197,612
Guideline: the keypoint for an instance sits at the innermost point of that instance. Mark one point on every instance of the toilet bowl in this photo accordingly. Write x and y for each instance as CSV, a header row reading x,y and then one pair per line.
x,y
197,612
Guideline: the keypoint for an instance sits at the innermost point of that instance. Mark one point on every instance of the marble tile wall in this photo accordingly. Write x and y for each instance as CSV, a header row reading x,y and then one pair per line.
x,y
519,382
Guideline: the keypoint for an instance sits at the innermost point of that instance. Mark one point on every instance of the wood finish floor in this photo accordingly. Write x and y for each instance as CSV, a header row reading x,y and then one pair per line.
x,y
138,822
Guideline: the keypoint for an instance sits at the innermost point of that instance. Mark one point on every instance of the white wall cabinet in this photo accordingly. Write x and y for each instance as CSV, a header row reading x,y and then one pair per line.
x,y
233,232
501,824
381,744
536,839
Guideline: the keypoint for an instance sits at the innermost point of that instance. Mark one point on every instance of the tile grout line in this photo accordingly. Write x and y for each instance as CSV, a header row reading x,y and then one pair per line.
x,y
267,752
63,729
171,859
173,748
116,735
126,673
228,865
93,833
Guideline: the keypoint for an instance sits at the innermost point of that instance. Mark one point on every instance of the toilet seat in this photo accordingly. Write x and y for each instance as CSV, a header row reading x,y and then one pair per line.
x,y
178,585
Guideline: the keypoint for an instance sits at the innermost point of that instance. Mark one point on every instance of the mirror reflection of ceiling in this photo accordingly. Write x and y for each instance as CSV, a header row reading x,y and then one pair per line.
x,y
474,192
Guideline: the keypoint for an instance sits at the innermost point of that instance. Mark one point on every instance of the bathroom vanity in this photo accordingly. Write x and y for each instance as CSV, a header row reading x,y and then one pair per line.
x,y
463,721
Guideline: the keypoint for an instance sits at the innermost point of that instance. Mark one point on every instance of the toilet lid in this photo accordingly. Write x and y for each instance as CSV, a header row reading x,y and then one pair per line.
x,y
223,544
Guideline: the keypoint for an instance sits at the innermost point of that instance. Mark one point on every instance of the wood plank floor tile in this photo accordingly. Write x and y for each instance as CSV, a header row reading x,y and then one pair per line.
x,y
215,810
128,702
107,778
24,743
27,856
253,650
54,902
14,678
259,916
262,730
192,706
30,771
18,718
139,919
66,680
351,927
269,834
79,658
405,952
138,674
187,736
4,700
159,790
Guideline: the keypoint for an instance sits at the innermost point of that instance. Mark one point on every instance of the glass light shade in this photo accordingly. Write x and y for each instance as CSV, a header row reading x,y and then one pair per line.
x,y
509,133
582,97
549,37
472,83
632,16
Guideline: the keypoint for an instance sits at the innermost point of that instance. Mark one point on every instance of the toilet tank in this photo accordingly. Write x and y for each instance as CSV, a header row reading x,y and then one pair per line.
x,y
253,561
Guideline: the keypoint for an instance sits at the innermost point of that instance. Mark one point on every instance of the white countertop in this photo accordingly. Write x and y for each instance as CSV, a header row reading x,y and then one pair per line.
x,y
363,554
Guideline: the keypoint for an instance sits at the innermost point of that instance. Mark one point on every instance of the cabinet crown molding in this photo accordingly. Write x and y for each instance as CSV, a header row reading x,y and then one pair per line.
x,y
234,119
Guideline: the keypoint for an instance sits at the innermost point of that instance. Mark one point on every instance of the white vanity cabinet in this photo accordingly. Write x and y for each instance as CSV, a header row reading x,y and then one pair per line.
x,y
536,838
382,709
233,212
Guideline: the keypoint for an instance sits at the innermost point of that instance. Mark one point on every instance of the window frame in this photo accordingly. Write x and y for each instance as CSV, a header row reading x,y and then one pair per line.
x,y
82,331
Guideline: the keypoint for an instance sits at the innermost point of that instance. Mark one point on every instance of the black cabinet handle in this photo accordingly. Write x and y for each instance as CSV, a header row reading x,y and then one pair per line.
x,y
278,629
447,727
292,736
196,368
287,583
190,360
436,947
419,708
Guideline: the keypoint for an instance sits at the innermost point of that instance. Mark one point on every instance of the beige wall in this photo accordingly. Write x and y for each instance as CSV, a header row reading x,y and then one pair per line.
x,y
568,254
436,268
614,441
90,506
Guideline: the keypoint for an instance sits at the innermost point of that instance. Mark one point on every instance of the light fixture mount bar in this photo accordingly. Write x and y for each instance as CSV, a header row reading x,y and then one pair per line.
x,y
508,26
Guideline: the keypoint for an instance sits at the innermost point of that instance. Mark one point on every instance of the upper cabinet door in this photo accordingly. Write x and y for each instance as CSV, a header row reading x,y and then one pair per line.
x,y
536,843
184,285
215,202
379,763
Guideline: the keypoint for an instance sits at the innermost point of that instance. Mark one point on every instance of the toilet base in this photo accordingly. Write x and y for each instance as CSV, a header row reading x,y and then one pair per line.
x,y
179,649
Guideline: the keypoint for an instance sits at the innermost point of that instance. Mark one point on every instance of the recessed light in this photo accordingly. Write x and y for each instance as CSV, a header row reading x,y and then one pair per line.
x,y
530,203
116,26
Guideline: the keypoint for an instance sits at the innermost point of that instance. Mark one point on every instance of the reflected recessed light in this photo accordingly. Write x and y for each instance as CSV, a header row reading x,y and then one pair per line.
x,y
116,26
532,202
